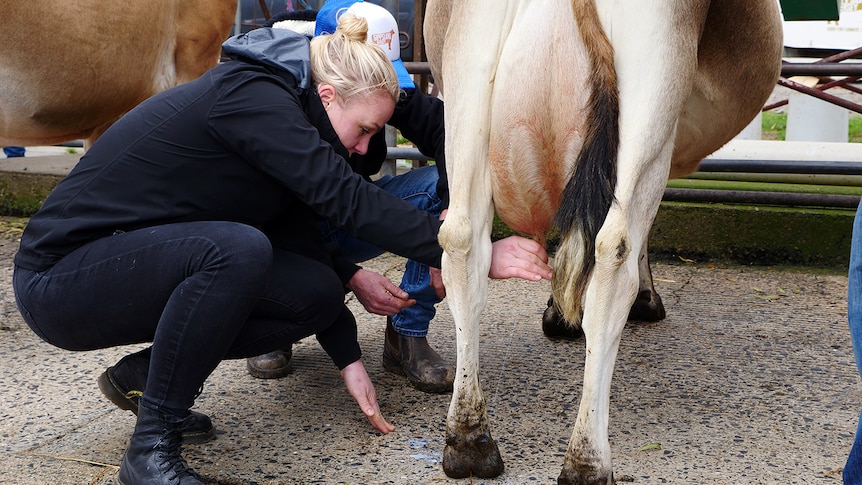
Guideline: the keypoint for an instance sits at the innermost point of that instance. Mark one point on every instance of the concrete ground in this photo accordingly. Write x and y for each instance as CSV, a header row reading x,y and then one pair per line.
x,y
749,380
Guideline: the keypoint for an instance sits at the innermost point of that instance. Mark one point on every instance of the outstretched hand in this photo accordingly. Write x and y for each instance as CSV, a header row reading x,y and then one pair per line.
x,y
519,257
360,387
511,257
377,294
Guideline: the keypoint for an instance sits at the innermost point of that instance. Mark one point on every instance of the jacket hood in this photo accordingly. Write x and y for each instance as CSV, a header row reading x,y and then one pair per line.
x,y
281,49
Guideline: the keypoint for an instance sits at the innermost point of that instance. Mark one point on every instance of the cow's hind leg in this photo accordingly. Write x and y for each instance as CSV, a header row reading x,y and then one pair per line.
x,y
466,232
555,326
611,288
650,103
647,306
465,237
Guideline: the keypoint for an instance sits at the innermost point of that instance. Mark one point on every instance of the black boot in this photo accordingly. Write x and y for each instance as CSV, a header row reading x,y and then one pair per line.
x,y
273,365
124,382
414,358
153,456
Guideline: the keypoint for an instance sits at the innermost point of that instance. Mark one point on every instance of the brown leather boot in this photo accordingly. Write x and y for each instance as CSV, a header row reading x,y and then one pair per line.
x,y
414,358
273,365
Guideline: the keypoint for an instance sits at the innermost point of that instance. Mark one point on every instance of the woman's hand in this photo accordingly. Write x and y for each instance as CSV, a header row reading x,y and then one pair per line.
x,y
377,294
519,257
360,387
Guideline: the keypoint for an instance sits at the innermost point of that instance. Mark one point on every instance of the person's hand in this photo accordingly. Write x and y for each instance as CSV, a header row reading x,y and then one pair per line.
x,y
360,387
437,282
519,257
377,294
437,273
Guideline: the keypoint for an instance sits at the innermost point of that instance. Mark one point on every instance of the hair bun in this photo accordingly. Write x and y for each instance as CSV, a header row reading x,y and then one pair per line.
x,y
353,27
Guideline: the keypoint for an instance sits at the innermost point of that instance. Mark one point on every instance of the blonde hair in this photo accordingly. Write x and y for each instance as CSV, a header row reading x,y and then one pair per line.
x,y
351,65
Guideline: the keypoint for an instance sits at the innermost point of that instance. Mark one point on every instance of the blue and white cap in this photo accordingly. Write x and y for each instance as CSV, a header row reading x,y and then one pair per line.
x,y
382,30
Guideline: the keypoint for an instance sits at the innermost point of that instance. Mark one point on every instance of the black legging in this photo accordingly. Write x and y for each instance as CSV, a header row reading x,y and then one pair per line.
x,y
200,291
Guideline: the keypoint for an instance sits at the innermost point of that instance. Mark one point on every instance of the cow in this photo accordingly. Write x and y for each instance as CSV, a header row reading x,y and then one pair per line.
x,y
571,115
69,69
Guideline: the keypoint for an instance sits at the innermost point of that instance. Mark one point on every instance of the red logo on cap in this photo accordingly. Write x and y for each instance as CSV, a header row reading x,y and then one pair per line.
x,y
383,38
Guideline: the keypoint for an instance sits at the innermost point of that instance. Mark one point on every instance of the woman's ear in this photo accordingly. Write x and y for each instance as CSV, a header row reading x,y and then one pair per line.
x,y
326,93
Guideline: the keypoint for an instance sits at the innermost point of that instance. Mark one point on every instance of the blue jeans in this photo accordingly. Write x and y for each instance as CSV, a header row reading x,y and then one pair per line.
x,y
853,467
12,152
419,188
199,291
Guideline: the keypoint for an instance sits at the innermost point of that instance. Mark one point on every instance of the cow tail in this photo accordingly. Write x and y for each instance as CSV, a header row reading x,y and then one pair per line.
x,y
589,193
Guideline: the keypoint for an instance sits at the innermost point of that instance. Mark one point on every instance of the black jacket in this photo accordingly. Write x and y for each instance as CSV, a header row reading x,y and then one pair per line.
x,y
249,142
242,143
420,119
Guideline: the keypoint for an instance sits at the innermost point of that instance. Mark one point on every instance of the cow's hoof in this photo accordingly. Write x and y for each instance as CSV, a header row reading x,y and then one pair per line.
x,y
555,326
647,307
465,458
568,479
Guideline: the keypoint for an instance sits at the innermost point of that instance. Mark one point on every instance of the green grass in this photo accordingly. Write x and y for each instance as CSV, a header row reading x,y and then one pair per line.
x,y
774,127
855,129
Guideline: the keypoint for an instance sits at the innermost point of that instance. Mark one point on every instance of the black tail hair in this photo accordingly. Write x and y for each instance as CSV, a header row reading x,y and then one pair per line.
x,y
589,193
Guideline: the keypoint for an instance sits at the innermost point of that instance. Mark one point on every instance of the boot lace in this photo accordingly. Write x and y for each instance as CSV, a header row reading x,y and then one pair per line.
x,y
170,460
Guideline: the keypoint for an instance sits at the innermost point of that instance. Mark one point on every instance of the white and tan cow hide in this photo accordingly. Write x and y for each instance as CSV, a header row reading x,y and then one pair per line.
x,y
574,113
70,68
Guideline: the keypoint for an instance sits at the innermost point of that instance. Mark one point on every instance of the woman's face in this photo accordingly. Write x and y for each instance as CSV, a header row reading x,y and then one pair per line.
x,y
357,120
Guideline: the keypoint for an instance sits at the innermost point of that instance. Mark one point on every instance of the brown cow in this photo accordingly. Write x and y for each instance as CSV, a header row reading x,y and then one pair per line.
x,y
573,113
69,69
